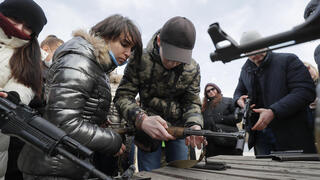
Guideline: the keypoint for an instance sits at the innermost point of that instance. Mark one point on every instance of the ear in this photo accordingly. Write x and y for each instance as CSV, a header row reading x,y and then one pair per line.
x,y
158,40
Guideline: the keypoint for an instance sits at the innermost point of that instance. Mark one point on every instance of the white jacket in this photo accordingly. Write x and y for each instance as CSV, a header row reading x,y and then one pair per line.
x,y
7,83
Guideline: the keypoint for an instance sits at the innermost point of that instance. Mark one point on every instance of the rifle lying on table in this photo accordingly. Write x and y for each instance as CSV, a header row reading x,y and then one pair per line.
x,y
21,121
228,49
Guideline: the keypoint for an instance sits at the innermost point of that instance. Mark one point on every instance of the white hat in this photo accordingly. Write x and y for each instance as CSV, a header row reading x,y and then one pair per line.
x,y
249,36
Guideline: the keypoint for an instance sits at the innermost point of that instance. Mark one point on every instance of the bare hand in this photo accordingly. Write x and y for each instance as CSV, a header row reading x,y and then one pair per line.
x,y
266,116
121,150
196,140
156,127
241,100
3,94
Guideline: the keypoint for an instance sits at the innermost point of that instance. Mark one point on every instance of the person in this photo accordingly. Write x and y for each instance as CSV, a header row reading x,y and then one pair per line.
x,y
167,80
78,96
20,24
48,47
308,11
280,88
218,111
114,119
312,107
50,44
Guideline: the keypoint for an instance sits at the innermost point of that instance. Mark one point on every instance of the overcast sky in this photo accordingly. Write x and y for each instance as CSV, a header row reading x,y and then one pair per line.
x,y
269,17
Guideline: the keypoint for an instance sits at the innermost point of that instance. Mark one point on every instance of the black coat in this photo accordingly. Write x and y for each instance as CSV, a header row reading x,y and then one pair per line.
x,y
287,89
221,116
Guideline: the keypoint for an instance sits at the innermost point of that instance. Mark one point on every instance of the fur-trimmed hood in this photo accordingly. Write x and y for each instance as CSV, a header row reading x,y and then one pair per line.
x,y
87,45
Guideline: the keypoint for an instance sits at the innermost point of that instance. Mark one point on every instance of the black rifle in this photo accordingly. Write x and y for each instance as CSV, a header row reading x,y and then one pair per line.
x,y
21,121
227,49
247,111
244,114
180,132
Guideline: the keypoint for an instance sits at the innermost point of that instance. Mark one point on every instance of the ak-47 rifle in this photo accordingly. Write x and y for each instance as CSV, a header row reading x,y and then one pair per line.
x,y
244,114
21,121
228,49
180,132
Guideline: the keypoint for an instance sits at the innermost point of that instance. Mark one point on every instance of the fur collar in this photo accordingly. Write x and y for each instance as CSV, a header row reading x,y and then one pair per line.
x,y
99,45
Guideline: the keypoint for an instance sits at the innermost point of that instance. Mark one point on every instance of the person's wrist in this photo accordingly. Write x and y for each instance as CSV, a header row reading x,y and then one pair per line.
x,y
273,112
139,119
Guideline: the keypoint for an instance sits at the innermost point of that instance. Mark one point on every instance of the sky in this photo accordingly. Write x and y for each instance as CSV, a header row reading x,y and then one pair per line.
x,y
269,17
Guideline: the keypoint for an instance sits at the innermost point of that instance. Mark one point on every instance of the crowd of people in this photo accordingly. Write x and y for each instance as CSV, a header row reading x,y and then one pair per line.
x,y
73,85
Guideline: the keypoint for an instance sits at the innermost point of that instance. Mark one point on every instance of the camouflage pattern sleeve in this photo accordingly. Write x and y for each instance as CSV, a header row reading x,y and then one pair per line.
x,y
127,91
191,102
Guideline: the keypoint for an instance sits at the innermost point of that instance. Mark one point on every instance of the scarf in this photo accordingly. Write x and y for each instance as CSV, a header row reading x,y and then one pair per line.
x,y
10,30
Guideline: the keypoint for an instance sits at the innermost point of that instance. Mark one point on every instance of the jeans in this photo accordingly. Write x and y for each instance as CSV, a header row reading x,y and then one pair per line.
x,y
175,150
265,142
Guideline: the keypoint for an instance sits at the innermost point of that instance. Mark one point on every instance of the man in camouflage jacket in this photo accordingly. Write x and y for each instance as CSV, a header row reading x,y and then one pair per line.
x,y
168,82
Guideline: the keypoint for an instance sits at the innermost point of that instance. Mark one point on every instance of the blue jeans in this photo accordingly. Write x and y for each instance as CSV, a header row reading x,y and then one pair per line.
x,y
265,142
175,150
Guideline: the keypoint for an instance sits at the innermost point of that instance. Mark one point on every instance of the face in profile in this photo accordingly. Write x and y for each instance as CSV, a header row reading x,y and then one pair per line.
x,y
50,50
121,48
211,91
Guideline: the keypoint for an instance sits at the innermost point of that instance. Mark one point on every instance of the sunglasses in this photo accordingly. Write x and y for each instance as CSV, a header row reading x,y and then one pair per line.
x,y
207,91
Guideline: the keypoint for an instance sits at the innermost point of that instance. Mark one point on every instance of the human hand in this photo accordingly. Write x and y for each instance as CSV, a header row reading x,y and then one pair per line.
x,y
121,150
196,140
3,94
156,127
266,116
241,100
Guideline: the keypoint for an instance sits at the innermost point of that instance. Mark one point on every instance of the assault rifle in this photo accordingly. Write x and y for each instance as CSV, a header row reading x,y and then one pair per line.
x,y
21,121
228,49
244,114
180,132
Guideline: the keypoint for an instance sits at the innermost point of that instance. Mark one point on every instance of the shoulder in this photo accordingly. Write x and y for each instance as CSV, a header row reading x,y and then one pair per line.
x,y
285,57
193,67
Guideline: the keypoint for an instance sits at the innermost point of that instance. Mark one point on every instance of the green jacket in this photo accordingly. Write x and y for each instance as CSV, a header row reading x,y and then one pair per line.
x,y
172,94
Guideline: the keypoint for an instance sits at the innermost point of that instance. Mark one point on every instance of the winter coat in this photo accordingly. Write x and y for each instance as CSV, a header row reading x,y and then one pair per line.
x,y
172,94
8,83
287,89
77,101
221,116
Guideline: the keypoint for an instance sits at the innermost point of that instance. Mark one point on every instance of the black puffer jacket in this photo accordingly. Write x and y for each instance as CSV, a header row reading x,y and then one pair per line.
x,y
78,98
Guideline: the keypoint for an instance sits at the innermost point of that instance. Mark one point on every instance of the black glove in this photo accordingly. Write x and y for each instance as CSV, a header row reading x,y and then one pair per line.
x,y
13,96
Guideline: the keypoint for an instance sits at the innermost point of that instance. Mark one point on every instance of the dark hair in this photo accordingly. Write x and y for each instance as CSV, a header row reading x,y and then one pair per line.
x,y
51,41
212,102
112,27
25,65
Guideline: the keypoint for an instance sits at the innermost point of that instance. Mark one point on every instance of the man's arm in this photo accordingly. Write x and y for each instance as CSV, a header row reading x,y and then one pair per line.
x,y
192,110
301,89
191,103
125,102
240,94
